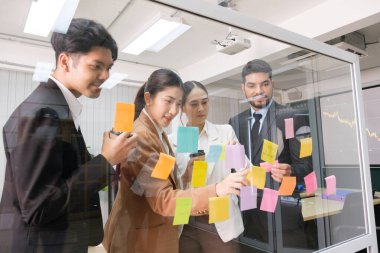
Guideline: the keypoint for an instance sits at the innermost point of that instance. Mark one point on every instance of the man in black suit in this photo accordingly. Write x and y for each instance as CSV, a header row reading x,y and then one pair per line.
x,y
50,199
265,120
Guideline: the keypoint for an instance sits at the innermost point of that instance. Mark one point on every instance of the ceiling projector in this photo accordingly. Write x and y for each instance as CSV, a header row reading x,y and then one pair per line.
x,y
233,45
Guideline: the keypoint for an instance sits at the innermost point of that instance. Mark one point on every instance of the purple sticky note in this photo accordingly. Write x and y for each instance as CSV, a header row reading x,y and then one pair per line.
x,y
269,201
248,198
289,128
330,185
267,166
311,183
235,156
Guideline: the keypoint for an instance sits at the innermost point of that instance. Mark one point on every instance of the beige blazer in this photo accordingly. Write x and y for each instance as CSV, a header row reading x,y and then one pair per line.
x,y
142,214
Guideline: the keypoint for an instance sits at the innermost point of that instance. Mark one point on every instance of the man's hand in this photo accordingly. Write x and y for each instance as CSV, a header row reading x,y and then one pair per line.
x,y
280,170
116,148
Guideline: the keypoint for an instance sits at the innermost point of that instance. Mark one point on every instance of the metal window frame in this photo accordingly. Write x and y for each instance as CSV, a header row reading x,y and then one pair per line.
x,y
236,19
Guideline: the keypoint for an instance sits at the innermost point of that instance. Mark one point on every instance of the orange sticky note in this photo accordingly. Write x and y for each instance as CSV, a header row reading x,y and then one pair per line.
x,y
124,117
218,209
287,187
306,147
269,152
163,166
198,178
257,177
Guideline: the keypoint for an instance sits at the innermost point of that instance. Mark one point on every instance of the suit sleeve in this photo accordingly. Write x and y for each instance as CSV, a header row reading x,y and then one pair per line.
x,y
44,168
161,194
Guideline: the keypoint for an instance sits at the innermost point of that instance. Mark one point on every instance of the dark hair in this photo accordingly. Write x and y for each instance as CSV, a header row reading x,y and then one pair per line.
x,y
81,36
157,81
188,87
256,66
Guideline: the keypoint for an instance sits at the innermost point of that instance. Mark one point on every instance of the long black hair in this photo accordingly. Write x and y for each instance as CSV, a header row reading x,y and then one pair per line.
x,y
157,81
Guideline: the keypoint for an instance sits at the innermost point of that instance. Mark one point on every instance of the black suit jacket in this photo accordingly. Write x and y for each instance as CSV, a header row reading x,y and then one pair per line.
x,y
259,225
50,199
273,129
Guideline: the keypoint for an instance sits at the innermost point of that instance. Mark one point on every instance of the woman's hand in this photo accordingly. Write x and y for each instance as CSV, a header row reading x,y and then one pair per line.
x,y
232,183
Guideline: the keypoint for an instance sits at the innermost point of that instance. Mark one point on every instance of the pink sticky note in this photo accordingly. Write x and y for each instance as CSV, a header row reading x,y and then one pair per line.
x,y
311,183
289,128
235,156
269,201
248,198
267,166
330,185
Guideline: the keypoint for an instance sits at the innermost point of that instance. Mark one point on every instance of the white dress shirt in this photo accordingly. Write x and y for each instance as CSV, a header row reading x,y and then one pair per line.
x,y
74,105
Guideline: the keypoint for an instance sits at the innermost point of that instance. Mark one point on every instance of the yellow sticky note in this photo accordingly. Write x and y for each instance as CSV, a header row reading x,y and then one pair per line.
x,y
198,178
182,211
124,116
257,177
269,152
223,153
218,209
287,187
163,166
306,147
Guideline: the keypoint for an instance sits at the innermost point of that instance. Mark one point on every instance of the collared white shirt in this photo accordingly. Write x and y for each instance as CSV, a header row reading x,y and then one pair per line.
x,y
73,102
263,111
159,130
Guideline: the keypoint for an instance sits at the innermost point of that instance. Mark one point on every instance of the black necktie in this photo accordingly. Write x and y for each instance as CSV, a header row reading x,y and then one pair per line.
x,y
255,133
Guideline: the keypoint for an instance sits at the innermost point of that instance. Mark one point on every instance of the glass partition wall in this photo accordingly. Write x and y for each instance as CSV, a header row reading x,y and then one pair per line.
x,y
311,122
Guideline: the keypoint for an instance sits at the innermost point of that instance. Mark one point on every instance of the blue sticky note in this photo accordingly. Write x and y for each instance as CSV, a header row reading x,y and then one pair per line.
x,y
214,153
187,139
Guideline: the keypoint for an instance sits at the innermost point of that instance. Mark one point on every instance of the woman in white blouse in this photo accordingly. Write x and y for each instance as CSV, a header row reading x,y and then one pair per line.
x,y
199,236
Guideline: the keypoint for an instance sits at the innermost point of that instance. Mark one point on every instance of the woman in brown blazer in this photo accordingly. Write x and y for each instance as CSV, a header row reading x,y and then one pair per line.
x,y
142,215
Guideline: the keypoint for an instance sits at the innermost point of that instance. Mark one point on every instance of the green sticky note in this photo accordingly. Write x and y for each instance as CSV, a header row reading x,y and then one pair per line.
x,y
269,152
187,139
182,211
198,178
218,209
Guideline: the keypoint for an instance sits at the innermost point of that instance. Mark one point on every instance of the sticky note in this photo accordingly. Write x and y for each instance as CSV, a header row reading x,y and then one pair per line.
x,y
330,185
306,147
187,139
218,209
124,116
267,166
289,128
269,152
287,186
198,178
163,166
256,177
182,211
310,183
223,153
235,156
269,201
248,198
214,153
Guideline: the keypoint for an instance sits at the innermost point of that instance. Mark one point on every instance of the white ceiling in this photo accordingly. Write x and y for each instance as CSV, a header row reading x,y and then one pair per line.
x,y
125,18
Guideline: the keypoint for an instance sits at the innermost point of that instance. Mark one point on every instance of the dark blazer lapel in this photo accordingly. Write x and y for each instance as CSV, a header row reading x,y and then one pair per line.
x,y
244,122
